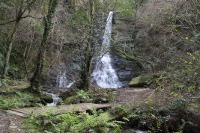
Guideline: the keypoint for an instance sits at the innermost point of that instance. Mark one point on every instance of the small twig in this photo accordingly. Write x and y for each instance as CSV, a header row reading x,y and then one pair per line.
x,y
152,92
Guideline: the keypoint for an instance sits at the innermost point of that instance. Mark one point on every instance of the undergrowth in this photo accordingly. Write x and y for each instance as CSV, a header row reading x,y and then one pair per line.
x,y
15,99
73,122
179,84
172,118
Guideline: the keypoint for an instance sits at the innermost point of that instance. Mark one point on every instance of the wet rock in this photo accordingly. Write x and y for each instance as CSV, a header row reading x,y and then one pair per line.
x,y
124,70
60,76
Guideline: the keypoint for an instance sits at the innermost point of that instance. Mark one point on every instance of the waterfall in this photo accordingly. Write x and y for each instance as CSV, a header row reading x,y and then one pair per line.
x,y
62,83
61,80
104,75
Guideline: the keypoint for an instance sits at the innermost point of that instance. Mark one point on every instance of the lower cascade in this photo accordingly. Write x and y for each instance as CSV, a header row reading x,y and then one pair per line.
x,y
62,81
104,75
61,84
54,97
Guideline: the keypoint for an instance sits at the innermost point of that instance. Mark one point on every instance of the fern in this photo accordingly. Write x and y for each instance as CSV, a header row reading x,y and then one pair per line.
x,y
75,123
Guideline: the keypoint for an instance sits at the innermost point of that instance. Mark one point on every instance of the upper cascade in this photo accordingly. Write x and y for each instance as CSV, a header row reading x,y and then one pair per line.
x,y
104,75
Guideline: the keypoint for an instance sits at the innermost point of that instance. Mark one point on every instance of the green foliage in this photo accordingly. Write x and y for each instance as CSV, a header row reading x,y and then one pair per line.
x,y
32,124
119,110
168,118
180,130
11,82
82,94
14,99
2,82
73,123
127,8
182,79
157,127
16,69
39,27
186,78
80,17
194,107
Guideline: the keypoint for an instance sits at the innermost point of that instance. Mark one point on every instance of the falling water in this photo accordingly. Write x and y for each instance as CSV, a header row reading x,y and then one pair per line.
x,y
61,80
104,75
54,97
62,84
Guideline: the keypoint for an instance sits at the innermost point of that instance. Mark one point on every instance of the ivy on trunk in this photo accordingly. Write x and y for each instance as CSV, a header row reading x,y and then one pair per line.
x,y
86,66
48,24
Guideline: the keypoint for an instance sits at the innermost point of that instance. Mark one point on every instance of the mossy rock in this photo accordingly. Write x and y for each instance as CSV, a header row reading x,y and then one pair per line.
x,y
35,100
46,99
101,98
72,100
70,92
141,81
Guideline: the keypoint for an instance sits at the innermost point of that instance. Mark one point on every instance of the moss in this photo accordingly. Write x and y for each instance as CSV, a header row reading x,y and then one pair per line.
x,y
46,99
101,98
72,100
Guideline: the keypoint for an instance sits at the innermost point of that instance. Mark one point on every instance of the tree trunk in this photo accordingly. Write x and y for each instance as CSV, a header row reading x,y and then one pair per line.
x,y
86,72
5,69
35,80
86,67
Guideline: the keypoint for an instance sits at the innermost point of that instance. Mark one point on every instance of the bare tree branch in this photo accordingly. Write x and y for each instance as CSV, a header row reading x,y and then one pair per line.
x,y
23,17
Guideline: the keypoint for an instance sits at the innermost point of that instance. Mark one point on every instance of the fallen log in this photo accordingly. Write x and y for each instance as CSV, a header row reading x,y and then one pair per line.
x,y
55,110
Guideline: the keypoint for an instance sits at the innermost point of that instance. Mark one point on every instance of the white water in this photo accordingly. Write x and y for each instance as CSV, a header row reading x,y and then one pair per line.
x,y
61,80
62,83
70,84
54,97
104,75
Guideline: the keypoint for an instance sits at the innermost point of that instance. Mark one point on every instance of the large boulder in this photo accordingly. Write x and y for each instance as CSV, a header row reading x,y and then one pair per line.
x,y
46,99
123,69
141,81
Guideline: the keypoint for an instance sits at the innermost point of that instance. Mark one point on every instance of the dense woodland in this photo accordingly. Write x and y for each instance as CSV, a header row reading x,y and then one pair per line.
x,y
163,46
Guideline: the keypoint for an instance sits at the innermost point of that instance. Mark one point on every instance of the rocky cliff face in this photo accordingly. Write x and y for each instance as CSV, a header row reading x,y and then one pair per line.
x,y
124,38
